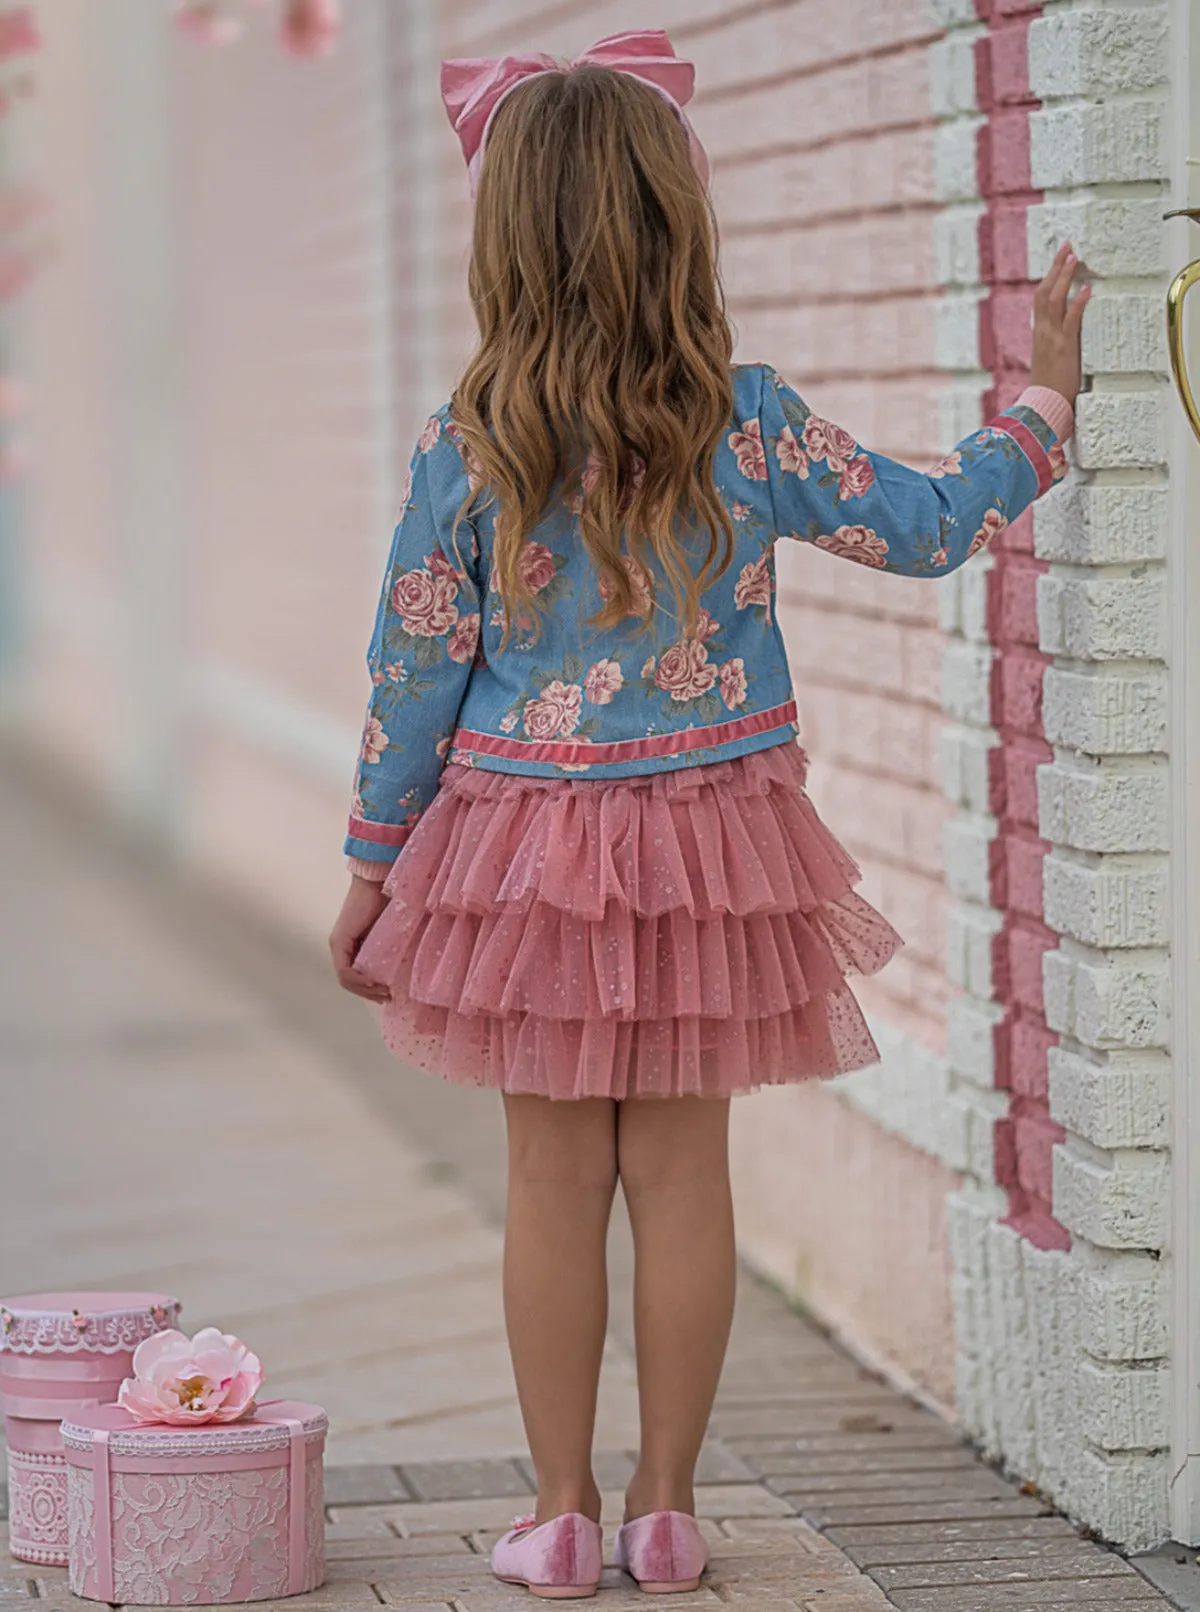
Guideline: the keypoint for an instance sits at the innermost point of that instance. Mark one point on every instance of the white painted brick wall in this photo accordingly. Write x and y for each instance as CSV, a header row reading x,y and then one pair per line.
x,y
1114,236
952,73
1085,617
1095,52
954,161
1108,999
1125,1306
1115,1201
1082,523
1104,805
1097,144
966,682
1106,712
970,1039
971,932
1120,430
956,330
966,754
956,253
967,845
1124,1407
1125,1496
1108,901
1113,1100
1125,333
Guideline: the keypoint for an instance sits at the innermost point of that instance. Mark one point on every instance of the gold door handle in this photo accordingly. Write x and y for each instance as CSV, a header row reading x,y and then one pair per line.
x,y
1176,292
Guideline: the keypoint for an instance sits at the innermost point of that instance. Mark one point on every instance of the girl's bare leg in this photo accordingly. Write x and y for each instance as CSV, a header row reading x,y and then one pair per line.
x,y
673,1158
562,1174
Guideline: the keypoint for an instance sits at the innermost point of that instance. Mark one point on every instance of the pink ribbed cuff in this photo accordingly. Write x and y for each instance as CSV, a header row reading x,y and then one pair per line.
x,y
375,871
1053,408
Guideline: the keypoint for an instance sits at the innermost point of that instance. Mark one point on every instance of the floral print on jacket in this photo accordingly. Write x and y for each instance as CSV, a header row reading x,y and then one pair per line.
x,y
631,698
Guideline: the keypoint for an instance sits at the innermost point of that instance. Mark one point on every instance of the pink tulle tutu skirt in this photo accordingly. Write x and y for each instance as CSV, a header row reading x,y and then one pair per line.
x,y
683,933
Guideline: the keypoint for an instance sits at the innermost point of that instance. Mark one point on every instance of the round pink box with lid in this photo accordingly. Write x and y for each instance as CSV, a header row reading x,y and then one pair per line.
x,y
61,1352
175,1516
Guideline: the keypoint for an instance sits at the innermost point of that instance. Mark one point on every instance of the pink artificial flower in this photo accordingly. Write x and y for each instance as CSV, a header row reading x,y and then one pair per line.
x,y
185,1381
430,435
603,680
732,677
460,646
940,557
993,524
951,465
508,722
747,444
858,543
790,454
740,511
829,442
753,586
555,713
310,27
537,566
425,603
374,741
442,566
857,478
683,671
648,668
706,627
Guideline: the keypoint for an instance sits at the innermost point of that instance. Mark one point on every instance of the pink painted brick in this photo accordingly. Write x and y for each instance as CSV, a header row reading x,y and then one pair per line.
x,y
1018,539
1029,1043
892,333
856,257
1004,328
1035,1136
1021,947
1002,68
1014,617
1002,154
1022,758
1004,242
921,652
1024,860
1019,676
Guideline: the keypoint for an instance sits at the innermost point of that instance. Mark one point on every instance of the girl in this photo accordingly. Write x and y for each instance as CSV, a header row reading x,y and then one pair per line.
x,y
585,869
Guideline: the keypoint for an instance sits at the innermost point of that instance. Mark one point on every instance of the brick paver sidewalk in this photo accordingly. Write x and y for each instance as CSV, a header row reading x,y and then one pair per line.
x,y
189,1103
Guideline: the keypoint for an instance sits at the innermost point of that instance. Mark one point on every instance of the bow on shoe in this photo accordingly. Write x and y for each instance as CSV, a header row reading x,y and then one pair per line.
x,y
474,86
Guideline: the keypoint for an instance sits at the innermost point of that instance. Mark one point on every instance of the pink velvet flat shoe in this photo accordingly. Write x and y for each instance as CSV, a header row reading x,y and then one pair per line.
x,y
664,1551
560,1560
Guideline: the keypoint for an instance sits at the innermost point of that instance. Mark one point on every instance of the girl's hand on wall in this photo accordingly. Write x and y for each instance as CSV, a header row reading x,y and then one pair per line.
x,y
364,902
1057,318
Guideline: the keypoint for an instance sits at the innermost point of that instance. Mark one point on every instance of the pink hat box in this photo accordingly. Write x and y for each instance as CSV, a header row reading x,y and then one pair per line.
x,y
161,1515
61,1352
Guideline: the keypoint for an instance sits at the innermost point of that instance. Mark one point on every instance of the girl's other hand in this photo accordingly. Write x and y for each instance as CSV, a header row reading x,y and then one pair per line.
x,y
1057,318
364,902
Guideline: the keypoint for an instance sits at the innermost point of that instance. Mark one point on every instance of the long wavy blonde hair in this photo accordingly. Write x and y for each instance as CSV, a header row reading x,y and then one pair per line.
x,y
604,351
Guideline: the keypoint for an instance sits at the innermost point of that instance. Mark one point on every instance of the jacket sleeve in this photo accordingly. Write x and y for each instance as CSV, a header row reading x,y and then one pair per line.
x,y
419,657
826,489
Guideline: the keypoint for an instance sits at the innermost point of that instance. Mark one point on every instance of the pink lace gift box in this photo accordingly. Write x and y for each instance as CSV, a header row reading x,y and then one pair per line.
x,y
61,1352
179,1516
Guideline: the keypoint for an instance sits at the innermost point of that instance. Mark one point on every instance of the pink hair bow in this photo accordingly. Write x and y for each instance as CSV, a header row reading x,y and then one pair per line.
x,y
474,87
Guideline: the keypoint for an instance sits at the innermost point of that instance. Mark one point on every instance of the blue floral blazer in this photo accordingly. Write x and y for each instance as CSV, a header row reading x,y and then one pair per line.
x,y
635,699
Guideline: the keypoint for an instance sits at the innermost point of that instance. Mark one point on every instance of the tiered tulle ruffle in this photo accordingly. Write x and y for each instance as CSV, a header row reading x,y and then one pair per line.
x,y
675,933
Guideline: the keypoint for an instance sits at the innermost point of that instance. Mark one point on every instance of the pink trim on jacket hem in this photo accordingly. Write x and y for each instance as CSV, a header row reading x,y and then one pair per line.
x,y
1053,407
1029,445
379,833
565,753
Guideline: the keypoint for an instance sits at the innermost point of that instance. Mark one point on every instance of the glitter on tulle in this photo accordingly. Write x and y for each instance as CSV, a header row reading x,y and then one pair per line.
x,y
671,934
